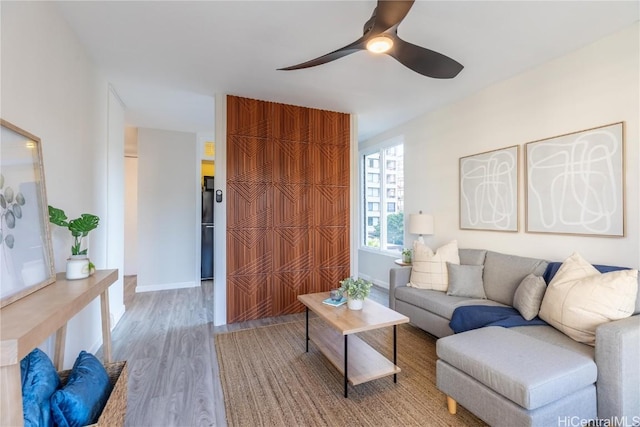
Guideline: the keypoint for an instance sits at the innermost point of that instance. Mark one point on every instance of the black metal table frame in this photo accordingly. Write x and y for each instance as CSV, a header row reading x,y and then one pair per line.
x,y
346,346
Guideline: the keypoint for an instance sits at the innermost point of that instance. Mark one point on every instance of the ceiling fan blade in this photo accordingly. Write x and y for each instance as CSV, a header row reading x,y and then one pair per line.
x,y
332,56
390,13
424,61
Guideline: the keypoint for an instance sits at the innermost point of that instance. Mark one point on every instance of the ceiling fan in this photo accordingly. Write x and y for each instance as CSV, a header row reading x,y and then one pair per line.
x,y
380,35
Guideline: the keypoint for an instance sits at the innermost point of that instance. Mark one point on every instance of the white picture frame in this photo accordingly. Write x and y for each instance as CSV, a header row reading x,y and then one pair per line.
x,y
575,183
26,256
488,186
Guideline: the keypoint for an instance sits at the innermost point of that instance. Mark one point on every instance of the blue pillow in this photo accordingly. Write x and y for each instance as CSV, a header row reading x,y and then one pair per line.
x,y
82,399
39,381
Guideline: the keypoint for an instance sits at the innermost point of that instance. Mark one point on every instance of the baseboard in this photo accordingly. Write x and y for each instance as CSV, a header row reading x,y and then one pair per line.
x,y
166,286
116,316
378,283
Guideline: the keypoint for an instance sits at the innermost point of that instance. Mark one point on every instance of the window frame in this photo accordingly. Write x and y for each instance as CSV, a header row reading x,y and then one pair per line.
x,y
383,186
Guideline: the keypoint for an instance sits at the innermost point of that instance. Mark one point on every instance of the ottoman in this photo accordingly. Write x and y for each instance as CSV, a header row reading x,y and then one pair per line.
x,y
510,379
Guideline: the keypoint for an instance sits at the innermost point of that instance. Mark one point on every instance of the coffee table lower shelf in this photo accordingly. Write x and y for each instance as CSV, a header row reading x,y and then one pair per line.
x,y
364,363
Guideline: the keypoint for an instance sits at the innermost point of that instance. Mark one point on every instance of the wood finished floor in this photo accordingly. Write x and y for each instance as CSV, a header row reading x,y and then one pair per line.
x,y
167,339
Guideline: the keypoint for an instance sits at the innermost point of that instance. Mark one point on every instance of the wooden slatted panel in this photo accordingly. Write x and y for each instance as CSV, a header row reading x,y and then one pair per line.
x,y
288,205
250,296
290,123
248,117
329,128
250,160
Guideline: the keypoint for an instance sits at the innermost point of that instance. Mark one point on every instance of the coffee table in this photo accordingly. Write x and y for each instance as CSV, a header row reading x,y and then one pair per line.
x,y
355,359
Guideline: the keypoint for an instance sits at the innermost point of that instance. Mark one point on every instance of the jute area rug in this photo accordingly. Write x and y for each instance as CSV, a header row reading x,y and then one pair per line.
x,y
269,380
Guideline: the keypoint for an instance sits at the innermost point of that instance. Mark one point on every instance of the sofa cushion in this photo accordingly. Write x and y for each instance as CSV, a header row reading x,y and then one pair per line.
x,y
503,273
437,302
429,270
580,298
553,268
525,370
551,335
472,256
528,296
465,281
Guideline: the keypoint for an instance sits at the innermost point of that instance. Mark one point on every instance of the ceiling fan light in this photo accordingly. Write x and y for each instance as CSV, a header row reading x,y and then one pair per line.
x,y
379,44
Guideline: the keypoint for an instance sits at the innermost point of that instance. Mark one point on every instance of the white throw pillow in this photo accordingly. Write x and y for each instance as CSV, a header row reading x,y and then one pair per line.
x,y
580,298
429,270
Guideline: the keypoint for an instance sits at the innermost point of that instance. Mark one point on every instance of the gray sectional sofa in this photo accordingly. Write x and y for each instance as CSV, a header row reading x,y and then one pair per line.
x,y
525,375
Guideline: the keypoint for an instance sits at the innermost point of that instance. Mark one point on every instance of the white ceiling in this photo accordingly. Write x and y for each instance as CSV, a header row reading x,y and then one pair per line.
x,y
167,60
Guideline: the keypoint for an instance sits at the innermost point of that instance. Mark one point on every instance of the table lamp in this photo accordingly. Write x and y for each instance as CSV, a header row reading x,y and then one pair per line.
x,y
420,224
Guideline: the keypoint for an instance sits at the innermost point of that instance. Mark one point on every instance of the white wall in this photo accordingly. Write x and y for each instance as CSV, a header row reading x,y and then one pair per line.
x,y
131,216
596,85
220,215
114,221
131,202
50,87
167,200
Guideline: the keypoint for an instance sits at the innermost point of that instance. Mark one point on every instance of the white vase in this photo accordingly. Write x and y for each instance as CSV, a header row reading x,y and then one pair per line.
x,y
77,267
354,304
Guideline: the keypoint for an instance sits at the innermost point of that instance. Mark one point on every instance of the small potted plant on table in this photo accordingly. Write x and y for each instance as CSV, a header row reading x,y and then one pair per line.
x,y
406,256
78,265
357,290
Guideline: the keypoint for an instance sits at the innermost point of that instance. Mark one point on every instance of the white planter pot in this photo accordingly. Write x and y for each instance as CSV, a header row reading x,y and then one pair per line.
x,y
77,267
354,304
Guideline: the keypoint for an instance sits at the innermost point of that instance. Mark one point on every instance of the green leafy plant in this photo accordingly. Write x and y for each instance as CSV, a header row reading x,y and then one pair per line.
x,y
355,288
406,255
79,227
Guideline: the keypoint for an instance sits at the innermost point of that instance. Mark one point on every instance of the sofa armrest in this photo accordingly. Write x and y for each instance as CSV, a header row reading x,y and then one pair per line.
x,y
617,355
398,277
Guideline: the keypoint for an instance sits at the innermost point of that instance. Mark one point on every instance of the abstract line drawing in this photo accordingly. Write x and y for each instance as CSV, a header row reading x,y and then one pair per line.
x,y
575,183
489,190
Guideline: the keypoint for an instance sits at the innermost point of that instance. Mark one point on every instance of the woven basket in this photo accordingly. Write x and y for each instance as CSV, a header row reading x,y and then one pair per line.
x,y
116,407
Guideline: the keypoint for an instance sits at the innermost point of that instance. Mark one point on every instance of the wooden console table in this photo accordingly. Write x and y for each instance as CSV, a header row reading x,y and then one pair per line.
x,y
26,323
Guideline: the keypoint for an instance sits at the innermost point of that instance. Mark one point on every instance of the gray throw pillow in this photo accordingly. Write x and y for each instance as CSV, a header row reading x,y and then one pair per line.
x,y
465,281
528,296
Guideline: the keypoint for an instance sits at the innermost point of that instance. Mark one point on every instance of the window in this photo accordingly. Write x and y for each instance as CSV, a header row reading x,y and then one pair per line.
x,y
383,230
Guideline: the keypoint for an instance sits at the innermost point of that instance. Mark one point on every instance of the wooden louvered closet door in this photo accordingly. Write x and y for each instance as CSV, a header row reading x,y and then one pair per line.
x,y
287,205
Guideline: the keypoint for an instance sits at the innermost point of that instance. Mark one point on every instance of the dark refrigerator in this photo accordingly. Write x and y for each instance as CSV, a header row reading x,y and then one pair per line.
x,y
207,228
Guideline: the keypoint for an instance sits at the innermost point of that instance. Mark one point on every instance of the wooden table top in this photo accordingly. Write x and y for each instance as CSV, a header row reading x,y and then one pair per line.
x,y
25,323
372,316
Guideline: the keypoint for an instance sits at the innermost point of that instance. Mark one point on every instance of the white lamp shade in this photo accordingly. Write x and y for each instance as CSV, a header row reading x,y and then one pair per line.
x,y
420,224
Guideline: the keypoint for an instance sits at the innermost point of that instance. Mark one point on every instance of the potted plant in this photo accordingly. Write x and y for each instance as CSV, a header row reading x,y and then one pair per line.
x,y
357,290
78,265
406,256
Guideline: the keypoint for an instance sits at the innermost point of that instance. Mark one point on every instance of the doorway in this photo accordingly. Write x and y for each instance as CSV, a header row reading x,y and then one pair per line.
x,y
207,225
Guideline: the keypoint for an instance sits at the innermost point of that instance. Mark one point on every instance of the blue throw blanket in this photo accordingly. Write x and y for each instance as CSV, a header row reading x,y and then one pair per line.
x,y
470,317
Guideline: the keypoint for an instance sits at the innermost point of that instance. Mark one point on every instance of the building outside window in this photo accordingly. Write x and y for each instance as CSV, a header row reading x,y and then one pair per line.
x,y
383,229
